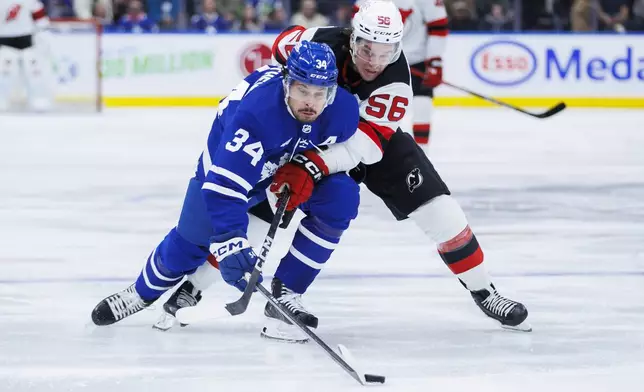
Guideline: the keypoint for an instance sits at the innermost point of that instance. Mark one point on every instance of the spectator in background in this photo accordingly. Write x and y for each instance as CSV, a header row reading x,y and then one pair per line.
x,y
250,22
263,7
119,10
276,19
462,16
84,9
342,15
136,20
498,19
637,23
167,22
613,14
102,12
210,20
308,16
59,8
534,15
581,15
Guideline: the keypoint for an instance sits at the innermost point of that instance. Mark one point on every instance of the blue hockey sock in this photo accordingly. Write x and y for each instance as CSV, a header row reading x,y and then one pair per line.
x,y
312,246
155,279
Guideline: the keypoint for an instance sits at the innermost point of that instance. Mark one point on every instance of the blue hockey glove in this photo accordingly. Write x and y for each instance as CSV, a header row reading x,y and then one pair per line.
x,y
235,256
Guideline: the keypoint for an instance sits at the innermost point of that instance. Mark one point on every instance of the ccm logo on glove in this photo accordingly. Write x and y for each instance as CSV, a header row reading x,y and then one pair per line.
x,y
310,166
300,176
233,245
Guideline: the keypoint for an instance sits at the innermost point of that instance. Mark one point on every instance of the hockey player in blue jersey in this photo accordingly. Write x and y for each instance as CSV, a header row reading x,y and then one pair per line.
x,y
272,116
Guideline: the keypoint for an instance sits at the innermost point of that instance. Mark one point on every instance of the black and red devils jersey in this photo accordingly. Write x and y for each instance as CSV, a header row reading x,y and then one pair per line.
x,y
383,101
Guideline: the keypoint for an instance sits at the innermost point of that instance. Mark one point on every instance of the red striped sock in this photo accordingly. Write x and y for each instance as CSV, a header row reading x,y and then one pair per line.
x,y
421,133
461,253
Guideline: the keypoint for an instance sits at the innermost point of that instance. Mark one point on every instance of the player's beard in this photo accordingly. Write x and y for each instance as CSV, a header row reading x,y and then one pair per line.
x,y
306,114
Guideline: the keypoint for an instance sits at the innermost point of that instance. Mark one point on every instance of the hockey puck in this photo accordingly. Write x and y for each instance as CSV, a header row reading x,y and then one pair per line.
x,y
374,378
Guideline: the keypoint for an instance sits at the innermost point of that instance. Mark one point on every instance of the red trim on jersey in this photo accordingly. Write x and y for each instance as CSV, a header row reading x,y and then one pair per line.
x,y
467,263
438,23
386,132
438,28
213,261
405,13
275,48
459,241
39,14
368,129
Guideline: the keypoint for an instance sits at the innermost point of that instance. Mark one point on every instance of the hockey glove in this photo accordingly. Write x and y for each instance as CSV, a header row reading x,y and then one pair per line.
x,y
359,173
235,256
433,72
299,175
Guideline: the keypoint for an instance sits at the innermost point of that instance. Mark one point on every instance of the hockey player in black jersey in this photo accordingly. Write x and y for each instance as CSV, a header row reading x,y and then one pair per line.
x,y
390,163
403,177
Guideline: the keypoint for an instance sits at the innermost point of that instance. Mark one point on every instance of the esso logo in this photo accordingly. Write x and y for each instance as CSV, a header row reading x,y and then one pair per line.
x,y
255,56
503,63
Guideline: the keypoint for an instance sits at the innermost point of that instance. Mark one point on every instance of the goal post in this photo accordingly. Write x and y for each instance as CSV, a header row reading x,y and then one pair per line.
x,y
76,61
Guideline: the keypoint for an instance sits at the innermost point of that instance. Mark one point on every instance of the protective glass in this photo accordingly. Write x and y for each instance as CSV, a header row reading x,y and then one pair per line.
x,y
375,53
309,93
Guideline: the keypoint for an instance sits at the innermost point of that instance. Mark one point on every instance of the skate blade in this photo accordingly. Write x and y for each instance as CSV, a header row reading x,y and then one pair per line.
x,y
280,331
523,327
283,339
166,322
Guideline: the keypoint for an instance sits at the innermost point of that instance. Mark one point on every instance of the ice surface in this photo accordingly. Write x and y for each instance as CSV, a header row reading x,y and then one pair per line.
x,y
557,205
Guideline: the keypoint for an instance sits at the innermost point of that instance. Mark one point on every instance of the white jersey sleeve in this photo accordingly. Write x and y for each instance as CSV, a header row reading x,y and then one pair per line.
x,y
21,17
380,116
435,18
425,28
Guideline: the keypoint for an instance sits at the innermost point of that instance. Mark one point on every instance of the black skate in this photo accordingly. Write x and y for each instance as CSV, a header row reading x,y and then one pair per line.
x,y
279,327
510,314
118,306
186,295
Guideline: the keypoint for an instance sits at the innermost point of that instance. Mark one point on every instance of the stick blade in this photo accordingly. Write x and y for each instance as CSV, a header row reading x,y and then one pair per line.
x,y
238,307
553,110
374,379
362,378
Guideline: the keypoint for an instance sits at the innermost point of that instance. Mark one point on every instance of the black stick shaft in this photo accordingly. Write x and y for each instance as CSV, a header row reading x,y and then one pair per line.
x,y
338,359
240,306
548,113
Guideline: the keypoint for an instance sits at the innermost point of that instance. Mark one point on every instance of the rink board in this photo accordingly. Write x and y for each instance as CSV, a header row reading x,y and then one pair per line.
x,y
528,70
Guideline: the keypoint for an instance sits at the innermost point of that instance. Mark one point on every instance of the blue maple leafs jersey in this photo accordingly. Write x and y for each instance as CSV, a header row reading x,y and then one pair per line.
x,y
253,135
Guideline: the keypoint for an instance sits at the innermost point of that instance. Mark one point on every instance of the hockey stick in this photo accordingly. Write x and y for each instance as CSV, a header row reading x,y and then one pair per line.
x,y
341,359
548,113
240,306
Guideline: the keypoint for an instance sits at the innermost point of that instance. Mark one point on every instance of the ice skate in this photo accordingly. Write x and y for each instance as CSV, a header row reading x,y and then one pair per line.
x,y
510,314
118,306
277,326
186,295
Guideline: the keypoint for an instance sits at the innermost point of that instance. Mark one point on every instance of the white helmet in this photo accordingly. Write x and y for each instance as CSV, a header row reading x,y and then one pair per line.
x,y
378,21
